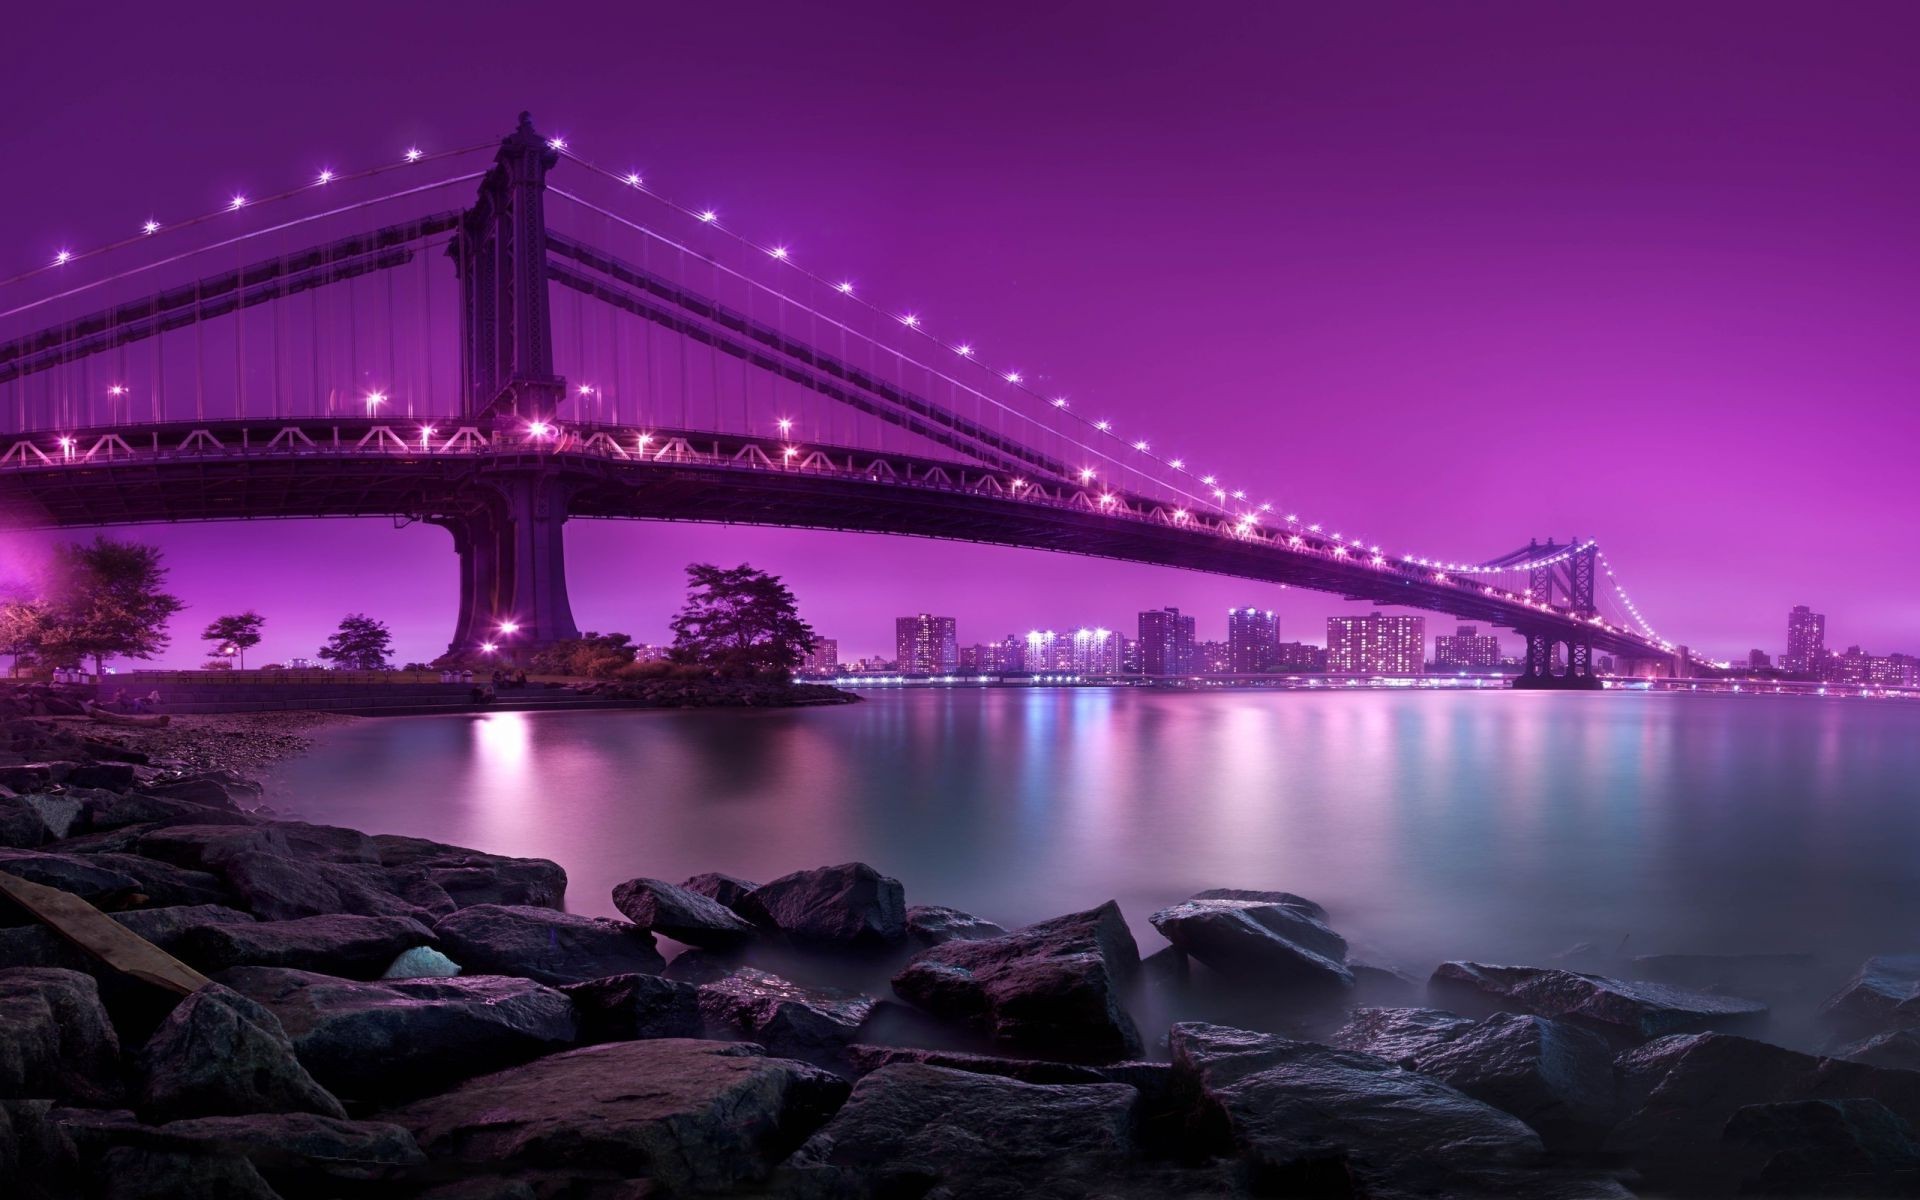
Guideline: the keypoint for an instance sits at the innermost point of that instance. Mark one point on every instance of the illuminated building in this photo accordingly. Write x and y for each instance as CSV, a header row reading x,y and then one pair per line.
x,y
1466,650
1300,656
1212,658
1166,643
1253,640
1095,652
824,658
926,645
1806,641
1376,644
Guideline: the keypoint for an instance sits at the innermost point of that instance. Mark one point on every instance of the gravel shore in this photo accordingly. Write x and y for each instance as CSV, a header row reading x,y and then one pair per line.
x,y
245,742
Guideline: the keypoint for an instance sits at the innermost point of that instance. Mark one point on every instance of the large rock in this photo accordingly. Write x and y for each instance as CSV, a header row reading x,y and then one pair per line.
x,y
1678,1093
691,1116
1306,1119
471,877
1883,995
1840,1148
110,811
55,1039
933,924
137,1173
1556,1077
1148,1077
338,944
401,1037
165,884
848,907
1899,1049
221,1054
75,873
303,1152
281,887
39,946
545,944
1624,1011
813,1024
726,890
29,820
916,1130
1280,941
683,915
1052,989
625,1008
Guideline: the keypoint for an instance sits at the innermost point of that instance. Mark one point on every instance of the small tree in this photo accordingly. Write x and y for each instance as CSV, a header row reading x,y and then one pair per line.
x,y
23,629
592,655
360,644
235,634
107,600
740,621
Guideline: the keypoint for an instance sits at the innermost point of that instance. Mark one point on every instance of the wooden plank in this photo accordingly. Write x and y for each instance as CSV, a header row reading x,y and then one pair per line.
x,y
102,937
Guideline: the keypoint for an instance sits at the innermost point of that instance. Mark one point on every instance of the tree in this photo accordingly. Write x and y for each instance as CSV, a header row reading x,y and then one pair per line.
x,y
740,621
360,644
23,628
240,632
106,601
592,656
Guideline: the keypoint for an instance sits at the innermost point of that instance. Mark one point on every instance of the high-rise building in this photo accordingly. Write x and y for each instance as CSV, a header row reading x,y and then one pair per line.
x,y
1300,656
1166,642
926,645
824,658
1253,640
1466,650
1211,658
1040,653
1096,651
1376,644
1806,641
1129,655
1757,660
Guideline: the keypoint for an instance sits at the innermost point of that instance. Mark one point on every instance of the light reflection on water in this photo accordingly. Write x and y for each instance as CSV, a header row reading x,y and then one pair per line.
x,y
1498,826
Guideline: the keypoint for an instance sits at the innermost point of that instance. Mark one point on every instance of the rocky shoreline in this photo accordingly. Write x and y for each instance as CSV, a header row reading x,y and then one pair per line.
x,y
391,1017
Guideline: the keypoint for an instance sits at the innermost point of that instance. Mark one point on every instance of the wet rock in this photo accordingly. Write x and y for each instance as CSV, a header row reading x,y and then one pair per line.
x,y
1624,1011
1307,1119
219,1053
78,874
206,791
1259,939
1842,1148
1899,1050
165,884
849,907
1556,1077
1167,967
808,1023
913,1130
55,1039
21,826
340,944
210,847
1053,988
932,924
280,887
137,1173
471,877
703,966
303,1152
1679,1092
1299,904
624,1008
108,811
112,776
726,890
681,914
691,1116
39,946
1883,995
545,944
392,1038
421,962
37,1159
1146,1076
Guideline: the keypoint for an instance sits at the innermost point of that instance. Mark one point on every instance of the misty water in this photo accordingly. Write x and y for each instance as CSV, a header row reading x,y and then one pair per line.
x,y
1498,826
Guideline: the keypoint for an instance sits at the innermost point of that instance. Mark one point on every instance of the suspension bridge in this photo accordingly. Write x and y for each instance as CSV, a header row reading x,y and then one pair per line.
x,y
503,337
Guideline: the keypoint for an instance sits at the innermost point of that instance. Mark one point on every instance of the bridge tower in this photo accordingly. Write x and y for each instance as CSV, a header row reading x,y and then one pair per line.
x,y
513,583
1570,581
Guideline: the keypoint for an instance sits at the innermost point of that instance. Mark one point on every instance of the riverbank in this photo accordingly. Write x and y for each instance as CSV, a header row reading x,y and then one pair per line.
x,y
248,743
398,1017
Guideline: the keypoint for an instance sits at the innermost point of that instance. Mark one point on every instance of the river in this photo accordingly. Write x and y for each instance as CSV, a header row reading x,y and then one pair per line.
x,y
1503,826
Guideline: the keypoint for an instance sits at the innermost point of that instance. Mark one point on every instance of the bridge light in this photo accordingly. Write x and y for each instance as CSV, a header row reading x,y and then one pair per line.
x,y
1019,483
1059,401
66,443
1219,494
1178,464
1379,561
779,252
414,154
964,350
1266,508
1339,551
1208,480
1140,446
62,258
488,647
910,321
1314,528
789,452
633,179
1103,426
426,432
643,440
1179,514
237,203
509,627
556,143
375,400
326,176
539,429
785,423
1086,474
150,227
1013,377
1295,540
118,389
585,389
1106,497
844,287
709,216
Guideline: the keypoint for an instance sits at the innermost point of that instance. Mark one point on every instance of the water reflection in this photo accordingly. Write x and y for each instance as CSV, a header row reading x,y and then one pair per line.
x,y
1492,825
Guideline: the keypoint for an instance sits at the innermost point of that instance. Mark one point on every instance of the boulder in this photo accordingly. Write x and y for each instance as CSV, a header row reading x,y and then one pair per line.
x,y
109,811
209,847
421,962
304,1152
1899,1049
727,890
137,1173
75,873
1624,1011
21,826
113,776
1312,1120
1148,1077
931,925
545,944
1678,1093
625,1008
165,884
471,877
338,944
1299,904
690,1116
55,1039
37,1158
206,791
1554,1076
848,907
683,915
1840,1148
1266,940
393,1038
282,887
910,1129
812,1024
1052,989
1883,995
219,1054
39,946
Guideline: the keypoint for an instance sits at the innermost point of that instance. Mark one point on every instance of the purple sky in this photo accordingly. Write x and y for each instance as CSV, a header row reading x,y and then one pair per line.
x,y
1455,274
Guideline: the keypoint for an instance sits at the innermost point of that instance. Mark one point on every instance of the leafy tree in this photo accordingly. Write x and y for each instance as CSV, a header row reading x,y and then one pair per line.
x,y
241,631
106,601
740,621
594,656
360,644
23,628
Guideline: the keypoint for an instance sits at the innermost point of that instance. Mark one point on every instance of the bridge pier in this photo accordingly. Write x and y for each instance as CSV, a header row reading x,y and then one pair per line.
x,y
513,574
1537,674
